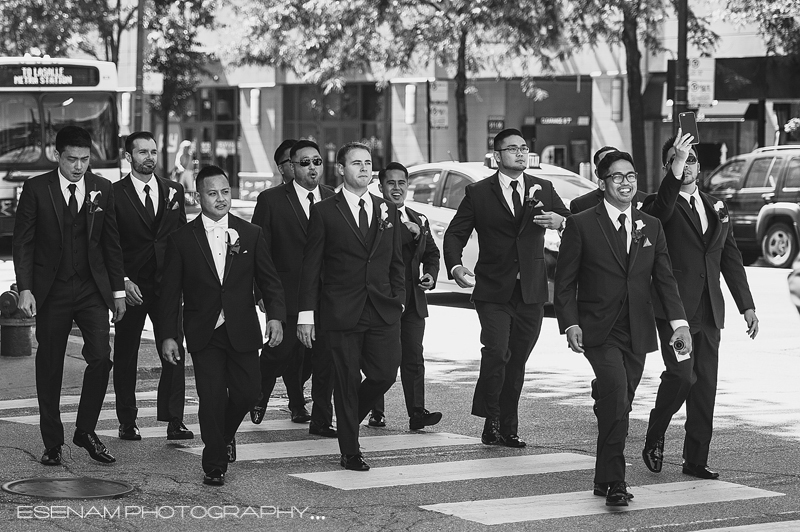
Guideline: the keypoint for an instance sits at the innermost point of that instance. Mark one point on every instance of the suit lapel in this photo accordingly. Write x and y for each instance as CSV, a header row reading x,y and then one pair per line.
x,y
687,212
130,192
164,188
497,188
233,223
326,192
291,196
91,185
376,219
200,234
713,219
634,251
610,233
527,206
344,209
58,200
420,247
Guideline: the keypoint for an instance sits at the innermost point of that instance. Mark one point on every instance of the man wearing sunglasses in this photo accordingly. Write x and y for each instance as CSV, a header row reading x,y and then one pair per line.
x,y
607,259
701,246
283,213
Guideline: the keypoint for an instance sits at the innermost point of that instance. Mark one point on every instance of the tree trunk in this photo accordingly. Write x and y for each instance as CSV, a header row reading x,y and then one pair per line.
x,y
635,101
461,97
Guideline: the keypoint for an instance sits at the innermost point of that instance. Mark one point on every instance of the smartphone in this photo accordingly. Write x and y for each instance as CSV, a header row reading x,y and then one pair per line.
x,y
688,124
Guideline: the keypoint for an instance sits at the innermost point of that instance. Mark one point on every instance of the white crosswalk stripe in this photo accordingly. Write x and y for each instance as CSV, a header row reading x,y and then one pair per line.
x,y
66,400
783,526
266,426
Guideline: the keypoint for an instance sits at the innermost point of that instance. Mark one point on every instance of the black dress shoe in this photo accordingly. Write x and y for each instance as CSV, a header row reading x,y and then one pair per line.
x,y
129,432
699,471
601,490
215,477
422,418
90,442
300,415
376,420
232,451
257,414
52,456
176,430
618,494
491,431
653,454
512,440
354,462
326,431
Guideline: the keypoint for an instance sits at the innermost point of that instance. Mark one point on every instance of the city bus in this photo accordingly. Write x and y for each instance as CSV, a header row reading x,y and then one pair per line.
x,y
39,96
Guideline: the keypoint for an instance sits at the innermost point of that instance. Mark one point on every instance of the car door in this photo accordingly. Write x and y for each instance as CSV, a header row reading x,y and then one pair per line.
x,y
758,188
790,188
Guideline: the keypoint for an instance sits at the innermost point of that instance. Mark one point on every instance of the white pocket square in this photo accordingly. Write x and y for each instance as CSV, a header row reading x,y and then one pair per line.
x,y
647,242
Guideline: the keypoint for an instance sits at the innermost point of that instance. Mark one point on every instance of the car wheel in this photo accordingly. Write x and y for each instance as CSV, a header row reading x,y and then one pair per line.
x,y
779,246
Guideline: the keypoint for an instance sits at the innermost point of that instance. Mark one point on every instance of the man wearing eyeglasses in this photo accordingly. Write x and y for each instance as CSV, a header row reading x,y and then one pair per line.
x,y
701,246
607,258
510,212
283,212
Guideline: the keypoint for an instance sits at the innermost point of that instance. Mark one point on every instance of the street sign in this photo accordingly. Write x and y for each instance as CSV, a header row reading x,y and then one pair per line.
x,y
701,82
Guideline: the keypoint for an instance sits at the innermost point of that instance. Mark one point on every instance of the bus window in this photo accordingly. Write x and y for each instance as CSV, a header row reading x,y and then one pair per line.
x,y
20,135
93,112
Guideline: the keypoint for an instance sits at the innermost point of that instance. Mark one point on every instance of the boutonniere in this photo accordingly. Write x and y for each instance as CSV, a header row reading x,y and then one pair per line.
x,y
232,239
424,223
637,234
722,212
639,205
384,221
531,200
93,201
172,203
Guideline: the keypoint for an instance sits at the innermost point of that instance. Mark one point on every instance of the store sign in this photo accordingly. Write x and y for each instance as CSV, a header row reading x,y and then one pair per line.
x,y
701,82
48,76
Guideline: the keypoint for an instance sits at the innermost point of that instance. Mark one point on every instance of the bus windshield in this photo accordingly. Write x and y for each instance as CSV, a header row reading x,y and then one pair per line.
x,y
20,131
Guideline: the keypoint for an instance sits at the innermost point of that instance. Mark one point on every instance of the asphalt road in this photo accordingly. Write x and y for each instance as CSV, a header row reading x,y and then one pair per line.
x,y
443,479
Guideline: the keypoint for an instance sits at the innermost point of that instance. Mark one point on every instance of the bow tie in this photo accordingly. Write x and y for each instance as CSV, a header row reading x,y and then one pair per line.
x,y
221,224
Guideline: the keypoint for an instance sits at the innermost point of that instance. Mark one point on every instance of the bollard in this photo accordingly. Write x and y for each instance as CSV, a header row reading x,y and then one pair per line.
x,y
15,328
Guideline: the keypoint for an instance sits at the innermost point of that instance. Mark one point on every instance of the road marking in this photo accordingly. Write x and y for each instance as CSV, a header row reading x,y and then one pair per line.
x,y
71,400
265,426
295,449
451,471
70,417
582,503
780,526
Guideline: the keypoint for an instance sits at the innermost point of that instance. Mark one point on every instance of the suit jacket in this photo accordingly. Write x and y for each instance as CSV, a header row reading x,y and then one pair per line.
x,y
189,271
591,199
38,236
593,278
337,257
422,251
504,249
698,260
139,239
279,213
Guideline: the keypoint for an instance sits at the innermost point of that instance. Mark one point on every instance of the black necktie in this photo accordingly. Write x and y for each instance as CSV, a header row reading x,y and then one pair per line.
x,y
148,203
695,214
622,234
363,223
515,199
73,202
311,199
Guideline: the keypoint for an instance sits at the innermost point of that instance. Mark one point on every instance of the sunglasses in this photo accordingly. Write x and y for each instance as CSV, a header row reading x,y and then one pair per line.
x,y
316,161
691,159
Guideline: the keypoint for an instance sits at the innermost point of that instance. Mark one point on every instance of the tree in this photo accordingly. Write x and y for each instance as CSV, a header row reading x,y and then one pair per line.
x,y
109,19
174,52
778,22
323,42
629,23
36,26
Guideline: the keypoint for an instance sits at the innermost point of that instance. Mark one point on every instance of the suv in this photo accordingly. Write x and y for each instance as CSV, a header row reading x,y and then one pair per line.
x,y
762,190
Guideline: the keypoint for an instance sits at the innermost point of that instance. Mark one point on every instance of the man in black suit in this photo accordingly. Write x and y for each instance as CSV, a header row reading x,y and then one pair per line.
x,y
68,263
607,258
419,249
148,210
282,213
702,247
214,263
353,251
284,161
510,212
591,199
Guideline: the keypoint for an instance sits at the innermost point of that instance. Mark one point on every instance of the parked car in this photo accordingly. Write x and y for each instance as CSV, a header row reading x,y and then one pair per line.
x,y
436,190
762,190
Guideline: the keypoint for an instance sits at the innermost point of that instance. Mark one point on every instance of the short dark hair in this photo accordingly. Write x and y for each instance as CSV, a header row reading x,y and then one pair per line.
x,y
596,157
347,148
503,135
669,144
394,165
208,172
303,143
606,162
74,136
285,145
133,137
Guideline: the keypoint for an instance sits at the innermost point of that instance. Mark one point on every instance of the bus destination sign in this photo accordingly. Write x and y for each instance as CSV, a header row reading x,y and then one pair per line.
x,y
48,76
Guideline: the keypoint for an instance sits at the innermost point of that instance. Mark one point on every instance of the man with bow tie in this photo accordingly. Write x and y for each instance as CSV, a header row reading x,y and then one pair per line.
x,y
149,208
214,262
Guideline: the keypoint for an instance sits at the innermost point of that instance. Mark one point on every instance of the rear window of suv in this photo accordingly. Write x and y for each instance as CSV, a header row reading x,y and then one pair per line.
x,y
727,177
763,173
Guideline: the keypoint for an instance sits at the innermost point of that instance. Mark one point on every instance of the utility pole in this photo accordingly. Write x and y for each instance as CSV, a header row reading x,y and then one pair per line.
x,y
680,101
138,101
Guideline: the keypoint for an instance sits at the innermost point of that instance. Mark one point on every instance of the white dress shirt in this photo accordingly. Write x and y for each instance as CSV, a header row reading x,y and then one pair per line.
x,y
302,196
80,191
699,206
154,191
508,191
215,233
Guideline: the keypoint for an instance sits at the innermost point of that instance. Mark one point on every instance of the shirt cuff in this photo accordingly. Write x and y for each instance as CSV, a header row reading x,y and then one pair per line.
x,y
305,317
119,295
454,267
126,278
678,323
570,327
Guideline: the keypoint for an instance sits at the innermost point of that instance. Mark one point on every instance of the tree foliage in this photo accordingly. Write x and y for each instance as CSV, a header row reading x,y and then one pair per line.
x,y
100,25
777,20
36,26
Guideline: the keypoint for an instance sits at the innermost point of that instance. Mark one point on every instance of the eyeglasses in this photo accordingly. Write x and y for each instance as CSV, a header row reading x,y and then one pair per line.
x,y
516,149
619,177
316,161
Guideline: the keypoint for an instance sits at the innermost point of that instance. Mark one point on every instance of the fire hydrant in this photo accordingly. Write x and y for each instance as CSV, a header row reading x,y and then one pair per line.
x,y
15,328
